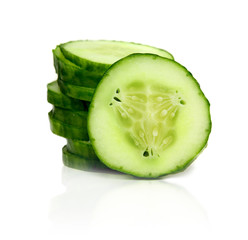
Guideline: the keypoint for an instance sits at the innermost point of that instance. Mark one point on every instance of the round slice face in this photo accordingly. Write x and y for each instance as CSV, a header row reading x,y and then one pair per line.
x,y
148,117
97,56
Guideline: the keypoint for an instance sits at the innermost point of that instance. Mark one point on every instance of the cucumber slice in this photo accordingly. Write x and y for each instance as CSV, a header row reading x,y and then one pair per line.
x,y
74,118
58,99
81,148
71,73
77,92
74,161
98,56
66,130
148,117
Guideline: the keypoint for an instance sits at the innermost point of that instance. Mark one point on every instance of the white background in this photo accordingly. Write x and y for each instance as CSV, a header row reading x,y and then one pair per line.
x,y
41,199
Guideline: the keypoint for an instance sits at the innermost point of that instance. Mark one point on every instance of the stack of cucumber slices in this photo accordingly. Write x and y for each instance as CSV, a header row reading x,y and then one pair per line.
x,y
128,107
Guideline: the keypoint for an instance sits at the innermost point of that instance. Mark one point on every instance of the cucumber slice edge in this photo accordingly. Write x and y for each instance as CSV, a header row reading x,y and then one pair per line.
x,y
101,66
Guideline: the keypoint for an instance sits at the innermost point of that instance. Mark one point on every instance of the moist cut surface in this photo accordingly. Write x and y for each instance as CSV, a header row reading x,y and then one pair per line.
x,y
147,114
148,117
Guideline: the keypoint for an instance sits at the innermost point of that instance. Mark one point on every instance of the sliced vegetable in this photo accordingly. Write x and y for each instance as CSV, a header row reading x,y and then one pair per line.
x,y
58,99
148,117
99,55
66,130
74,161
83,63
71,73
81,148
66,116
77,92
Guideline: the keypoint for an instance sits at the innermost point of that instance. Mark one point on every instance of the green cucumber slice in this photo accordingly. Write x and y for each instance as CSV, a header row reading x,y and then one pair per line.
x,y
77,92
66,130
148,117
66,116
98,56
71,73
58,99
74,161
81,148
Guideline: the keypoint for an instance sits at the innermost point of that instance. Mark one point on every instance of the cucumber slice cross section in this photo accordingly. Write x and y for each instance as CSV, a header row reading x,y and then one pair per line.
x,y
148,117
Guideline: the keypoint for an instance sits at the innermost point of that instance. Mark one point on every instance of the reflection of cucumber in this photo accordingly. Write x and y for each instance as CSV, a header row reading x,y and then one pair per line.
x,y
58,99
95,57
74,161
71,73
74,91
148,117
81,148
152,203
66,130
74,118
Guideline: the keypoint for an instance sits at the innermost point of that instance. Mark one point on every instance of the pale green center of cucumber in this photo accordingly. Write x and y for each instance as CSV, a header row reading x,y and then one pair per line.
x,y
148,114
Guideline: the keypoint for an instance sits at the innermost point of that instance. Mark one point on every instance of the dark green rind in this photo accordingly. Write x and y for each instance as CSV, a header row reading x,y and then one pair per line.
x,y
179,168
81,148
77,92
95,66
58,99
74,161
74,118
73,74
67,131
190,161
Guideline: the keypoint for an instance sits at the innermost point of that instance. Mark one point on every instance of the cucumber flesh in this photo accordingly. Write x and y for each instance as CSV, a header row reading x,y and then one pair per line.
x,y
77,92
98,56
81,148
148,117
66,130
81,64
71,73
66,116
74,161
58,99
